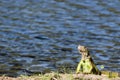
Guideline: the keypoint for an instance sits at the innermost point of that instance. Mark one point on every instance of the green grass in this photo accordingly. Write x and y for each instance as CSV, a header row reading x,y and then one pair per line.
x,y
48,76
66,76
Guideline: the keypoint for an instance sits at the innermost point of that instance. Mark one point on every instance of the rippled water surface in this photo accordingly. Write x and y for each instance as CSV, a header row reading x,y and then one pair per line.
x,y
42,35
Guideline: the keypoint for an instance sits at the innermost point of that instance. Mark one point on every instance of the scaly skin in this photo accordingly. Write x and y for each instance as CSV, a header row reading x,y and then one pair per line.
x,y
86,65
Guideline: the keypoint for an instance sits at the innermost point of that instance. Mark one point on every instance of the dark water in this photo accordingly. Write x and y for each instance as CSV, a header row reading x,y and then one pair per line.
x,y
42,35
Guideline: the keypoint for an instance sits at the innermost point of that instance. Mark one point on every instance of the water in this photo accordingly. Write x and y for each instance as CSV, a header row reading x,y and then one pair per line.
x,y
42,36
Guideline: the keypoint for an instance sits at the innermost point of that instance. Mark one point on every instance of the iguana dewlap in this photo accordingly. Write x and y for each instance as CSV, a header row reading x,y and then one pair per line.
x,y
86,64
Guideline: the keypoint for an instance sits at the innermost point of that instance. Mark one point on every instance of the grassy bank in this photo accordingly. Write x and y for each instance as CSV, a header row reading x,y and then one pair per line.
x,y
58,76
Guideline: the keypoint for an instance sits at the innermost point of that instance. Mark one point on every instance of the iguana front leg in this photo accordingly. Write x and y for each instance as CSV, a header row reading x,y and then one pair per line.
x,y
79,67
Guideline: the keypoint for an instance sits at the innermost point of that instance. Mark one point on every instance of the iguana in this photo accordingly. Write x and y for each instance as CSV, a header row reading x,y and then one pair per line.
x,y
86,64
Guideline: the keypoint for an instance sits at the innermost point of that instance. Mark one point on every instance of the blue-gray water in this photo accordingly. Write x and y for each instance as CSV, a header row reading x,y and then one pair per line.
x,y
43,35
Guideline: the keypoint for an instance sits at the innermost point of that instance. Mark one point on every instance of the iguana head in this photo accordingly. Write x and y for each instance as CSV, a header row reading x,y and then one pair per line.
x,y
83,50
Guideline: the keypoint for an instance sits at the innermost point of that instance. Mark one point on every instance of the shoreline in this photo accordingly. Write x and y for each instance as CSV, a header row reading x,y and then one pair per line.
x,y
60,76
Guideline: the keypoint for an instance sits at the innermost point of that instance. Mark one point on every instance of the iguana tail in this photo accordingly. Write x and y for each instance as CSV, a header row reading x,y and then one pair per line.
x,y
111,74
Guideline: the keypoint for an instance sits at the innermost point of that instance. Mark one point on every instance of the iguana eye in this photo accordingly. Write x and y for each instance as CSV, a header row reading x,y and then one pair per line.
x,y
82,50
